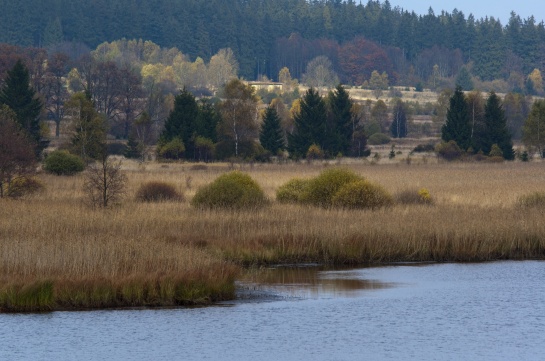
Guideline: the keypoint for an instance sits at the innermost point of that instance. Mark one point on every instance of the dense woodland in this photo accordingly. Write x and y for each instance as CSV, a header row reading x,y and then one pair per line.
x,y
175,86
266,36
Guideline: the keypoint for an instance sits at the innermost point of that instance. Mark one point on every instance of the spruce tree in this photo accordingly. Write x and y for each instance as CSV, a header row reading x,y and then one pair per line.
x,y
207,120
496,131
341,126
310,125
19,96
457,126
464,79
182,120
271,135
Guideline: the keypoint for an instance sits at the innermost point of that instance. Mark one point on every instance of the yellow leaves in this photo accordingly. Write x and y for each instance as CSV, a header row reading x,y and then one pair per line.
x,y
537,80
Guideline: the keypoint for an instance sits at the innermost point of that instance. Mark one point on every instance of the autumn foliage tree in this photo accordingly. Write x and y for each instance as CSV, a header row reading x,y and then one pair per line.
x,y
359,57
89,128
238,127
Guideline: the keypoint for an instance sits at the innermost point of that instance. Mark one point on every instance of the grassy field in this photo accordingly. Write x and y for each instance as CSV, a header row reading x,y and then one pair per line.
x,y
56,253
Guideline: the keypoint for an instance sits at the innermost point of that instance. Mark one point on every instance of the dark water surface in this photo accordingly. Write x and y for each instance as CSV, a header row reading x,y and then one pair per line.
x,y
488,311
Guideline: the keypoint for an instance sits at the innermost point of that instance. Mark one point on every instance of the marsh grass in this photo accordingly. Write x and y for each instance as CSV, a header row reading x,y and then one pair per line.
x,y
532,200
56,253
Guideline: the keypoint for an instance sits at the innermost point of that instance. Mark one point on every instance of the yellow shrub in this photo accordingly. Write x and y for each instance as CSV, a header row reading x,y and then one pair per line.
x,y
362,194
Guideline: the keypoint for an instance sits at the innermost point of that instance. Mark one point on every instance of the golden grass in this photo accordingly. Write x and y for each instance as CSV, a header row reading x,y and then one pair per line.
x,y
55,253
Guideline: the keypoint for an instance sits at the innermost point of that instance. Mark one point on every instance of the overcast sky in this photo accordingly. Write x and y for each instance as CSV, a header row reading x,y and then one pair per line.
x,y
497,8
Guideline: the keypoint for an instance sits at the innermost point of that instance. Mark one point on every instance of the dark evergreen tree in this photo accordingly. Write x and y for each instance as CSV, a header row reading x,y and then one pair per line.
x,y
341,124
182,121
464,79
475,105
19,96
496,131
207,120
133,149
398,128
271,135
457,126
310,125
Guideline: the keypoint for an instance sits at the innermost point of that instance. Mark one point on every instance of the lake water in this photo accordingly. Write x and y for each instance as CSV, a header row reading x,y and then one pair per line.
x,y
486,311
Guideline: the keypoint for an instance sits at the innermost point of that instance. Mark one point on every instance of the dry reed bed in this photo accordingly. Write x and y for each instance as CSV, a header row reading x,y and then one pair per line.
x,y
55,253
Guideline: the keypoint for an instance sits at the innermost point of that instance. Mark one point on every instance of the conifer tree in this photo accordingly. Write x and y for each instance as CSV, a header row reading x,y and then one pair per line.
x,y
271,135
19,96
457,126
464,79
310,124
181,122
341,124
496,131
207,121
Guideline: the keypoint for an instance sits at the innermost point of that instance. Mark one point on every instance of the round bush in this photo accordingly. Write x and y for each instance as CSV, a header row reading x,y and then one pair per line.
x,y
292,191
158,192
449,151
320,190
378,139
362,194
61,162
172,150
230,190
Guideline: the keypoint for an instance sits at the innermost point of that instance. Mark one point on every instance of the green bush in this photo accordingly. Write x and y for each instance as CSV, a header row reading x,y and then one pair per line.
x,y
532,200
172,150
230,190
361,195
292,191
158,192
60,162
320,190
495,151
378,139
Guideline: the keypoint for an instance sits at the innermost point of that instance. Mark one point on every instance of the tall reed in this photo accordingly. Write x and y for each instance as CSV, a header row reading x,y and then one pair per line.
x,y
55,253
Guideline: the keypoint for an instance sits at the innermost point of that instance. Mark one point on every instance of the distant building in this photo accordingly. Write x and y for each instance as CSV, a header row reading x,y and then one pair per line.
x,y
269,86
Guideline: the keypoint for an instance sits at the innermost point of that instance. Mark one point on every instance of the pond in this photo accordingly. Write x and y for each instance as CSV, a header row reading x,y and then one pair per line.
x,y
485,311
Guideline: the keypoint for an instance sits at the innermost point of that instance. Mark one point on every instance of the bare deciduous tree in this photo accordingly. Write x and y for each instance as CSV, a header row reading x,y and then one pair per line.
x,y
104,183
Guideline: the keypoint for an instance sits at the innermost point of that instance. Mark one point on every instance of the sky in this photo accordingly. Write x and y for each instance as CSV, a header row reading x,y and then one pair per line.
x,y
479,8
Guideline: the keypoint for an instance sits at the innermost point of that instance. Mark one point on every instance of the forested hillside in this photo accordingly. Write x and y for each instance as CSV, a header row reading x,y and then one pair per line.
x,y
267,35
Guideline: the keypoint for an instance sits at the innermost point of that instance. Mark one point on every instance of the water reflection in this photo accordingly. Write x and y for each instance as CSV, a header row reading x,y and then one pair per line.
x,y
483,311
308,282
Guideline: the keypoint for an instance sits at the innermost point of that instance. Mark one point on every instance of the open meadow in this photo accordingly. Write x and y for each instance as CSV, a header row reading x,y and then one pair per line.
x,y
57,253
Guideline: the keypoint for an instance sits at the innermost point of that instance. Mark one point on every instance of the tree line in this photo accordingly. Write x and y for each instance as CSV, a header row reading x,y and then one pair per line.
x,y
266,36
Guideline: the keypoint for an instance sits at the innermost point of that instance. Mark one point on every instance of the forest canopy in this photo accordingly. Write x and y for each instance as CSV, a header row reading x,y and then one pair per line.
x,y
266,36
